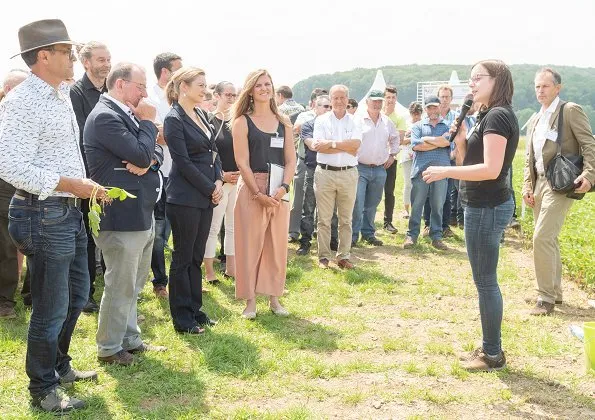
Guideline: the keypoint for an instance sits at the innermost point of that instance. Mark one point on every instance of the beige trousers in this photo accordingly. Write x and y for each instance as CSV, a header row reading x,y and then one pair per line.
x,y
260,236
549,213
335,188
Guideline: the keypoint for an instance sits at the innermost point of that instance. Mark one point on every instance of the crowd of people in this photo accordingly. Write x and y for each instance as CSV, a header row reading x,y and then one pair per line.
x,y
215,162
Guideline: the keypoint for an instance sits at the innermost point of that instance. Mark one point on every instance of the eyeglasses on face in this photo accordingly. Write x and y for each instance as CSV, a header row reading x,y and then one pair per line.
x,y
478,77
138,85
68,52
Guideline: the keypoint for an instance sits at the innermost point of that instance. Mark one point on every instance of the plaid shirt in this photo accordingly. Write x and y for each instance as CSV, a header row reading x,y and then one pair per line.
x,y
436,157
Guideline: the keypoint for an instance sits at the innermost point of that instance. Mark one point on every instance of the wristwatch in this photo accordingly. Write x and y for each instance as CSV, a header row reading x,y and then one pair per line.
x,y
334,145
286,186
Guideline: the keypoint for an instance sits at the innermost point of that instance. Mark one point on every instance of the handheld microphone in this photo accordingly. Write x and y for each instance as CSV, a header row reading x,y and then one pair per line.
x,y
464,109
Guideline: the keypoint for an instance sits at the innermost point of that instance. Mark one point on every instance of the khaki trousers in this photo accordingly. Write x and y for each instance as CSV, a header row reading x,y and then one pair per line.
x,y
335,188
549,213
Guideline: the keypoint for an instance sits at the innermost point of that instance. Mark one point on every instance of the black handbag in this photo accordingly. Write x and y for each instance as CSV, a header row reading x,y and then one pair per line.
x,y
563,170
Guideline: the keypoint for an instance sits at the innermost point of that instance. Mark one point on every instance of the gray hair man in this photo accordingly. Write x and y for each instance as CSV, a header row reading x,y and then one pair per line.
x,y
337,138
549,207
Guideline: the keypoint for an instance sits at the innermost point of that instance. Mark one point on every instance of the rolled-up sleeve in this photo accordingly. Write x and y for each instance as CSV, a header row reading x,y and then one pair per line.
x,y
416,135
19,136
393,137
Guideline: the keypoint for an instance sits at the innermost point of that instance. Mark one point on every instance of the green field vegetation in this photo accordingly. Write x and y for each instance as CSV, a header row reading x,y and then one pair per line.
x,y
381,342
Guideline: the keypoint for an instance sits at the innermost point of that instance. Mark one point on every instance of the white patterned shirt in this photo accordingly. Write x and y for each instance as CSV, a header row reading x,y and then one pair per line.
x,y
39,138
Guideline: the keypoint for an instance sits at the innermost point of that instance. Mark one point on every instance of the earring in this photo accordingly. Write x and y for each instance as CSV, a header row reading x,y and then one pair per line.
x,y
251,99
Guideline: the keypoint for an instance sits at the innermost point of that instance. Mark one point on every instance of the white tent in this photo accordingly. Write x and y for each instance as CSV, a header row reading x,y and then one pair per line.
x,y
380,84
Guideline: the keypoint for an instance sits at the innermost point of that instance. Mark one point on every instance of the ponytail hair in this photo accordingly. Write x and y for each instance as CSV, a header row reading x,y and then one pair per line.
x,y
185,75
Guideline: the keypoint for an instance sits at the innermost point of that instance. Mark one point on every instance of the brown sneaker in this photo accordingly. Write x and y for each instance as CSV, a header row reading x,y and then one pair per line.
x,y
481,362
7,312
438,244
542,308
122,358
409,242
323,263
345,264
144,347
160,292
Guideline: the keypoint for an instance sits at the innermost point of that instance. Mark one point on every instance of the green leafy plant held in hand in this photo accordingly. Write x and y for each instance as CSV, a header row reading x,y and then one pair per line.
x,y
96,209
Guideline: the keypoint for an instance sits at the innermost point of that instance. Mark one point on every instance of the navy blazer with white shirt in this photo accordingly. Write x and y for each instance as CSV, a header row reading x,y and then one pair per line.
x,y
194,171
111,136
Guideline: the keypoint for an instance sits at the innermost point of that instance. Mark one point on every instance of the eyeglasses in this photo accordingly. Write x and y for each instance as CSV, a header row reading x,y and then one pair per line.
x,y
138,85
478,77
70,53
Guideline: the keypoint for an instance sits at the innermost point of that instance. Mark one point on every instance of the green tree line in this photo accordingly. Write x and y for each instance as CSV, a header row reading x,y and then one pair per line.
x,y
578,84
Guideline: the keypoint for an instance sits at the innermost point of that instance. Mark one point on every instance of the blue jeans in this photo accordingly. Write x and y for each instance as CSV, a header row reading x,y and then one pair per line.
x,y
52,235
483,231
162,232
370,187
436,191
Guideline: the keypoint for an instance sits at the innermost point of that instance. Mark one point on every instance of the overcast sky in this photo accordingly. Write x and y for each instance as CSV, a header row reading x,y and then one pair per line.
x,y
297,39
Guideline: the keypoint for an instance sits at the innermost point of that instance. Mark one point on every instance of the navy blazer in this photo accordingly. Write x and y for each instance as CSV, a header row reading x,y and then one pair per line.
x,y
193,173
110,136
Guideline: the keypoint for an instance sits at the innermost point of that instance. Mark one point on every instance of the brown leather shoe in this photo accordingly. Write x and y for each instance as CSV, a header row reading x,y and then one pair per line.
x,y
323,263
542,308
345,264
122,358
409,242
438,244
160,292
144,347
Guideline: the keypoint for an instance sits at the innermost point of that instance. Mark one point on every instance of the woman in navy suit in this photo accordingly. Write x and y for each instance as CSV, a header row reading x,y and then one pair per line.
x,y
193,188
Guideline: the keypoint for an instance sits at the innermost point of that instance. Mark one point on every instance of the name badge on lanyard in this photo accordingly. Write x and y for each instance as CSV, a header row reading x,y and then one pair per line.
x,y
276,141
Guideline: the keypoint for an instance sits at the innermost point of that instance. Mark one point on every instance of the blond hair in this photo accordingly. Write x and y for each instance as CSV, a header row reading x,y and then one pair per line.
x,y
186,75
245,104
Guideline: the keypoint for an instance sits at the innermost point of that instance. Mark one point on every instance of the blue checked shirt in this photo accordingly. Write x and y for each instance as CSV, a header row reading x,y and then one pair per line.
x,y
436,157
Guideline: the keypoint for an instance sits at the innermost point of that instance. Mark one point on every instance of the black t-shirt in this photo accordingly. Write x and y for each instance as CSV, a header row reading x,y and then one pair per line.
x,y
224,143
490,193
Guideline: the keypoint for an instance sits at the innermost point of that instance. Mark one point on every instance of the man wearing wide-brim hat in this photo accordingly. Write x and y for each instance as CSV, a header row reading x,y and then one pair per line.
x,y
42,159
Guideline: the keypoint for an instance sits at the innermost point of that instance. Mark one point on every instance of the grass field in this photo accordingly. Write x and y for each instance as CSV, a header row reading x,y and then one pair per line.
x,y
379,342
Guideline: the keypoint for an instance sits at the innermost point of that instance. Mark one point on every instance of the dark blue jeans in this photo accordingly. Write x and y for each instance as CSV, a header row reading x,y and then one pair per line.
x,y
162,232
52,235
370,186
483,231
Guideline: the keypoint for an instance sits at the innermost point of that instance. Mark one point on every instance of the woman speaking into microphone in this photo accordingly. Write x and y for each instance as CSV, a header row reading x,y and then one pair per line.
x,y
484,155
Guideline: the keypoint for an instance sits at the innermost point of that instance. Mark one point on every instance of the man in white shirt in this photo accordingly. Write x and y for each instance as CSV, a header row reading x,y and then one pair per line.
x,y
337,138
164,65
549,207
380,144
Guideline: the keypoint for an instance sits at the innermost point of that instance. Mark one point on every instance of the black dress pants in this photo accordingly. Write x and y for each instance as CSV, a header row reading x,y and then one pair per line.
x,y
190,229
389,193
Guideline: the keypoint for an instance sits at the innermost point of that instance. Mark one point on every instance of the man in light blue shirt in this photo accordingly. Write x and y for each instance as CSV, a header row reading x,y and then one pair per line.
x,y
431,146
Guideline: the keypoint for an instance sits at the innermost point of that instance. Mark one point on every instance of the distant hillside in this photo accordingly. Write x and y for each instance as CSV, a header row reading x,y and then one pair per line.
x,y
579,84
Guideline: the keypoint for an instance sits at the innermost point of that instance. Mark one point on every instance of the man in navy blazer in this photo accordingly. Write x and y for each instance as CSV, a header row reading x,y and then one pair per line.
x,y
120,145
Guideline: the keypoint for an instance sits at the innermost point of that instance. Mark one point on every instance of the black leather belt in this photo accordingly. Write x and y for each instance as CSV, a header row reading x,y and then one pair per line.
x,y
334,168
69,201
